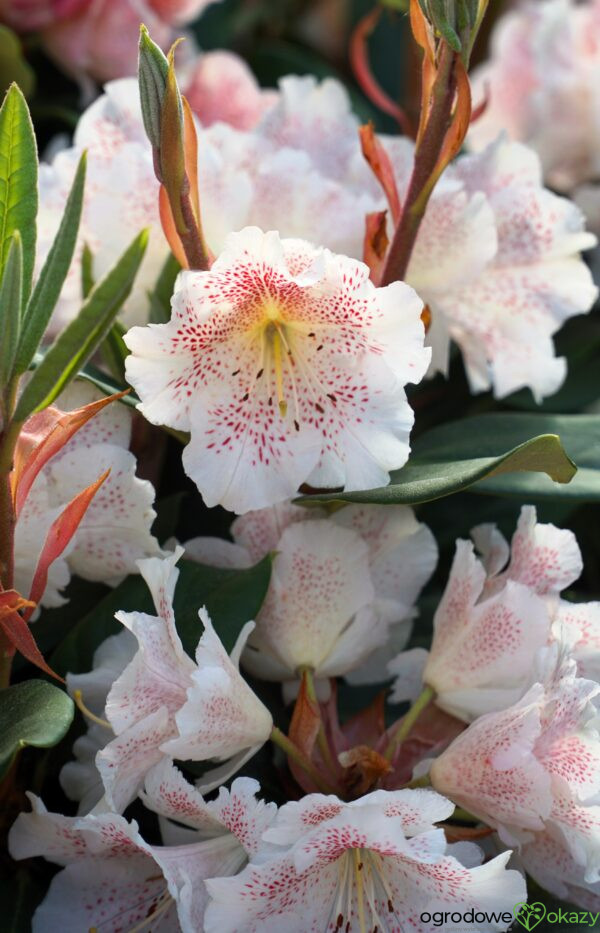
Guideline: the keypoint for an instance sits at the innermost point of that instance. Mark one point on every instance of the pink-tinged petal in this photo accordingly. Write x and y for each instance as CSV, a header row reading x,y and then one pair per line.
x,y
157,677
259,531
418,810
491,770
463,589
320,580
317,119
167,792
107,895
50,834
221,87
125,761
491,654
543,557
271,897
300,364
221,716
402,551
186,867
569,745
456,242
552,866
577,826
580,623
244,816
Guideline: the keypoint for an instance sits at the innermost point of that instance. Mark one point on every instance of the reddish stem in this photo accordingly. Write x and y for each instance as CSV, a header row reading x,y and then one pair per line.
x,y
426,158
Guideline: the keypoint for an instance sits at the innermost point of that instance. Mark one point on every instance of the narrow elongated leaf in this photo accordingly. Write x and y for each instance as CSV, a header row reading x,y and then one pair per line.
x,y
54,272
83,336
455,456
232,597
32,713
11,288
18,181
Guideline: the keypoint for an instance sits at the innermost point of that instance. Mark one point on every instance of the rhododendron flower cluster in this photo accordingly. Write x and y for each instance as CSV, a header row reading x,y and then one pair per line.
x,y
299,458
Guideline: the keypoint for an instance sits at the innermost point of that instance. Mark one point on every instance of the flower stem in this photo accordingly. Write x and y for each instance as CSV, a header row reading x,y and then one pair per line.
x,y
407,722
293,752
426,157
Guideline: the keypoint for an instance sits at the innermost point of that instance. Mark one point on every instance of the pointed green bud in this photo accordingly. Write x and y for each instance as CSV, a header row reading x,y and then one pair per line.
x,y
153,68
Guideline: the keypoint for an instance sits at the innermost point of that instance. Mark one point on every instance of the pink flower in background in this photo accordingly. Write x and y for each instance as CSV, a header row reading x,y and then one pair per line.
x,y
221,87
543,81
98,39
27,15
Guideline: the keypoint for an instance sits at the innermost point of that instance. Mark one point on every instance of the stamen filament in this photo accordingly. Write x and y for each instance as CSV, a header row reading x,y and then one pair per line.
x,y
78,700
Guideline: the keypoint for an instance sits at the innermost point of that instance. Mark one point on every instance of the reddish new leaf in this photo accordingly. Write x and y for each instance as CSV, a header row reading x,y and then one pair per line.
x,y
381,166
303,732
17,631
42,436
59,535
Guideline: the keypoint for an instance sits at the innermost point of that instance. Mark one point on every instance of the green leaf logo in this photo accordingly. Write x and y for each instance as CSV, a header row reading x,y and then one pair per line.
x,y
529,915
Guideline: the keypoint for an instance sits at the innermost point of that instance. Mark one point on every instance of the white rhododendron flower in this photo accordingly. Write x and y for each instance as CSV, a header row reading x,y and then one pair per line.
x,y
339,586
115,530
114,880
497,260
288,366
165,703
534,767
543,81
496,614
377,862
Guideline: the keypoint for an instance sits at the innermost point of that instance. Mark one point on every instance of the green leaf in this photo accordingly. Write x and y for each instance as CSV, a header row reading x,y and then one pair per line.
x,y
87,271
160,298
18,181
54,272
457,455
114,352
232,598
10,307
32,713
82,336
